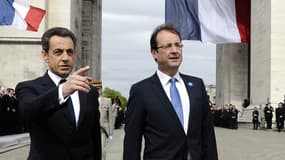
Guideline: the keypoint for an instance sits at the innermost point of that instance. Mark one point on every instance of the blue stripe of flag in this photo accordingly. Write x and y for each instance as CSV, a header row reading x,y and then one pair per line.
x,y
7,12
184,14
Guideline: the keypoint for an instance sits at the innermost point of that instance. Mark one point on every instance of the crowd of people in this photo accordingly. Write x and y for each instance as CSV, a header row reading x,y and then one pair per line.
x,y
225,116
9,121
262,116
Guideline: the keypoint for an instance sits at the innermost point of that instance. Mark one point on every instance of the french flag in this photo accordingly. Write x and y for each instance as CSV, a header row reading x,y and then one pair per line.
x,y
20,15
213,21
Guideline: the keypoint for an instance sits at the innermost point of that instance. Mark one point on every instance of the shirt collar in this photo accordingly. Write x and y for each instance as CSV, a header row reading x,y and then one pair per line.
x,y
164,78
55,78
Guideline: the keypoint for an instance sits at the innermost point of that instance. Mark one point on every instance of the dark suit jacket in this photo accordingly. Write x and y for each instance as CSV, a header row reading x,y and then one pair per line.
x,y
150,113
53,137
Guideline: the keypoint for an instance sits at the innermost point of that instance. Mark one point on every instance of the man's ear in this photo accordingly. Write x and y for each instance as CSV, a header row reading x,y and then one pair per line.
x,y
45,56
154,53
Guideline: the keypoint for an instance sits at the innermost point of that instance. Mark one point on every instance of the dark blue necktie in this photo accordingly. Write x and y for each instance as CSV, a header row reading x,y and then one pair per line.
x,y
69,106
175,99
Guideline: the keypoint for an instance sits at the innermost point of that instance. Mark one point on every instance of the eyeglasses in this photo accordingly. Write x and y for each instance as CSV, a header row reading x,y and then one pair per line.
x,y
170,45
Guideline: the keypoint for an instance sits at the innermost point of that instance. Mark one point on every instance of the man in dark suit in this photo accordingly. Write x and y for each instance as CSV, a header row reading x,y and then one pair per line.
x,y
61,108
173,128
280,116
268,113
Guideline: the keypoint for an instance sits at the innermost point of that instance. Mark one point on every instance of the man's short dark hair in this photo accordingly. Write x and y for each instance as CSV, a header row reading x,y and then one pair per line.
x,y
56,31
168,27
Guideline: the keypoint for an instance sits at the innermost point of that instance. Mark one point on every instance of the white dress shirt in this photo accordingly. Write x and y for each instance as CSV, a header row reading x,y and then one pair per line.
x,y
164,80
74,97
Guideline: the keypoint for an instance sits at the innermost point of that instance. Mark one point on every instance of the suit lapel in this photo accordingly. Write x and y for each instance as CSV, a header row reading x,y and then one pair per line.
x,y
47,82
163,98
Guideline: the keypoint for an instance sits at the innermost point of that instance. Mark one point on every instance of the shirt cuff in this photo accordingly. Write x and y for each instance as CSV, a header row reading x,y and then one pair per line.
x,y
61,99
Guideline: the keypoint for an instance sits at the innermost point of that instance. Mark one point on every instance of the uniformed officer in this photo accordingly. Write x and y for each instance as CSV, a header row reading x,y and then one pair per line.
x,y
268,112
279,111
255,121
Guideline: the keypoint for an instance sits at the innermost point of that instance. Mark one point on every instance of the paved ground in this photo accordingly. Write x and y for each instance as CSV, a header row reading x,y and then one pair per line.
x,y
241,144
248,144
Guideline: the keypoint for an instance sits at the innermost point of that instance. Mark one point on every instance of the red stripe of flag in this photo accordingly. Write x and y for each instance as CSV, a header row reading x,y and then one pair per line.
x,y
243,19
34,18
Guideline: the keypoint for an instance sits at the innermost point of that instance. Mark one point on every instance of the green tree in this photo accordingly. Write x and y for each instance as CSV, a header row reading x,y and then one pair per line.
x,y
111,93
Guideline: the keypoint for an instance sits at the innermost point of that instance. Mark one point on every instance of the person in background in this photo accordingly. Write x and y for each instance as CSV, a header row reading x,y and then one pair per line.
x,y
262,118
234,117
268,113
115,106
280,116
105,104
2,112
61,108
255,121
169,109
120,114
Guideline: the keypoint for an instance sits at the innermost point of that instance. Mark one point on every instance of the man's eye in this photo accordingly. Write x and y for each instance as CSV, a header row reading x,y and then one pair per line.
x,y
168,46
70,52
57,52
178,45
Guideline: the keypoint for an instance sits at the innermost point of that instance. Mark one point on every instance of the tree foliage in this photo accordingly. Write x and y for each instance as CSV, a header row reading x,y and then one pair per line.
x,y
111,93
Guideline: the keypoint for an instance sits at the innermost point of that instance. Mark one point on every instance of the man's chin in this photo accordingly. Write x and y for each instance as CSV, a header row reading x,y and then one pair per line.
x,y
64,73
175,63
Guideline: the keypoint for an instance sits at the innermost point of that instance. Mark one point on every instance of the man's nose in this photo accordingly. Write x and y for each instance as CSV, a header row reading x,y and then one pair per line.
x,y
174,49
64,55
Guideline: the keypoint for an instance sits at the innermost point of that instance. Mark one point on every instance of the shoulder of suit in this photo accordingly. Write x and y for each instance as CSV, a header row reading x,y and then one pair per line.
x,y
189,77
33,81
144,81
37,81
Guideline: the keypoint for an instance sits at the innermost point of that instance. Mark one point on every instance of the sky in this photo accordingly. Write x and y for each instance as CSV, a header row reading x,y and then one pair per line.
x,y
126,59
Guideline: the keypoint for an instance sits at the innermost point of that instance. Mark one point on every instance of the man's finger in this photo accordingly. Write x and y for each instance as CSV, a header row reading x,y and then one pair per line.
x,y
89,80
85,79
82,70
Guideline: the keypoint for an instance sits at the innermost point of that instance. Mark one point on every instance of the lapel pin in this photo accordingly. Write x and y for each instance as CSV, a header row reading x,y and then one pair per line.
x,y
190,84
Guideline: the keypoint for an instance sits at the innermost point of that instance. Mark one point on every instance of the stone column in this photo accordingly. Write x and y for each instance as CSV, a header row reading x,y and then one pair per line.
x,y
267,52
59,13
91,37
260,52
84,18
232,74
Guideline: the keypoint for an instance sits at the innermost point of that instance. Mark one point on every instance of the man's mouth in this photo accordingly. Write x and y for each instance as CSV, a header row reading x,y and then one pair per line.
x,y
174,58
64,66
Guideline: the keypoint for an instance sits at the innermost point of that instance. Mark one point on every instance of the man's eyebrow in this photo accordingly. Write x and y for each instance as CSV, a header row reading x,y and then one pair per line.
x,y
58,49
